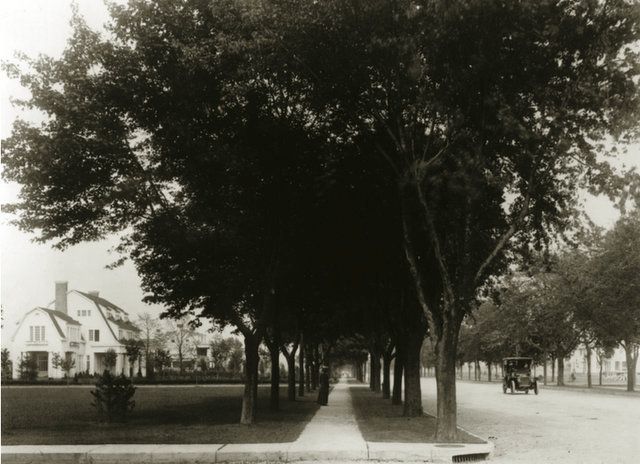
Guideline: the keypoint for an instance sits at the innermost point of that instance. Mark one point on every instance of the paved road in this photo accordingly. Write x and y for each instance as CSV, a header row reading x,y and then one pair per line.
x,y
553,427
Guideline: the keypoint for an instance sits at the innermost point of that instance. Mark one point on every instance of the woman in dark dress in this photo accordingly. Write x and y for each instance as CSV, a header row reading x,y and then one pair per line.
x,y
323,392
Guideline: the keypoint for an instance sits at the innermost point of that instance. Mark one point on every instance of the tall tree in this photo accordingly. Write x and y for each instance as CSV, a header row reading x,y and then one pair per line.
x,y
615,279
204,180
515,119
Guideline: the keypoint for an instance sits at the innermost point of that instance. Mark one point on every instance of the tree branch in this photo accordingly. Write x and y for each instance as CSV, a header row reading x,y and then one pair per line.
x,y
510,232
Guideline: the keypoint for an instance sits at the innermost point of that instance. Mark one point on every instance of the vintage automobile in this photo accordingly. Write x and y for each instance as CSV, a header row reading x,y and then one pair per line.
x,y
517,375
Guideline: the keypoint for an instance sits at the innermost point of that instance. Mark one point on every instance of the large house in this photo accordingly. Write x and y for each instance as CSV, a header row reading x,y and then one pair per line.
x,y
79,325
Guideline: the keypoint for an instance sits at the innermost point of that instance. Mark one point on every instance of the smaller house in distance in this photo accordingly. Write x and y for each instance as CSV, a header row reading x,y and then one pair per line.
x,y
77,325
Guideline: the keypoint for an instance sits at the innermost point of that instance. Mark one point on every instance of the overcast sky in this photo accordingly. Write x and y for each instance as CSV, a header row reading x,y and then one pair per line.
x,y
28,270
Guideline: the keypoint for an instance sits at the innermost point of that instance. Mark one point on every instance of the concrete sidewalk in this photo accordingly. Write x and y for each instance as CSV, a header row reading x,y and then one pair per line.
x,y
331,435
333,432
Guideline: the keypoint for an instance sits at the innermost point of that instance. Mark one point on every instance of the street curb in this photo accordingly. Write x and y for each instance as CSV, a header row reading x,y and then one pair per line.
x,y
596,390
231,453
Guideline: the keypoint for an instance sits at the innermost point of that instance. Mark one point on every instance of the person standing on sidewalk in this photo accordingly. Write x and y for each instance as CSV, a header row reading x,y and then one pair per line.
x,y
323,392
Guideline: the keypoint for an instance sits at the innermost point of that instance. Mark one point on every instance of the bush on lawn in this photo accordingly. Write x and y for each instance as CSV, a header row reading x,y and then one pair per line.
x,y
7,366
28,368
113,397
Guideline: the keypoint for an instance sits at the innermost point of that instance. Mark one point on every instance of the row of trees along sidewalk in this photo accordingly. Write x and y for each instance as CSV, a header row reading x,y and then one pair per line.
x,y
586,296
240,146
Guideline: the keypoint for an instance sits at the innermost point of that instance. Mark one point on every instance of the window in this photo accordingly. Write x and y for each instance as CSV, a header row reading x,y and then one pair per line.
x,y
617,365
94,335
36,333
79,313
74,334
88,312
121,333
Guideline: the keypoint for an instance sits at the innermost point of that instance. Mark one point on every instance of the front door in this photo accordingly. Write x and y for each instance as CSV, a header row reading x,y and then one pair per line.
x,y
42,360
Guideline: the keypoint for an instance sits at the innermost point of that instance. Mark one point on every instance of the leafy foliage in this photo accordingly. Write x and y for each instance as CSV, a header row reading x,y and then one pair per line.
x,y
113,397
110,359
6,365
133,349
65,362
451,134
28,367
162,359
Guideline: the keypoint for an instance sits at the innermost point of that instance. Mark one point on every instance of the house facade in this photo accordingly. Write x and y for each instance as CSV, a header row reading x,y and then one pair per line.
x,y
77,325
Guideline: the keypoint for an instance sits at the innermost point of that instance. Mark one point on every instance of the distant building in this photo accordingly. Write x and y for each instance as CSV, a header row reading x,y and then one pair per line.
x,y
77,325
614,369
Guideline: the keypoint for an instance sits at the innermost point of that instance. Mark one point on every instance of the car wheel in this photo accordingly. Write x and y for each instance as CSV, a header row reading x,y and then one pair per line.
x,y
513,387
535,388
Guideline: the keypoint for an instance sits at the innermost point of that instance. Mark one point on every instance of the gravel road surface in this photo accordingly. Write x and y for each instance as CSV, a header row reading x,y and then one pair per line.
x,y
553,427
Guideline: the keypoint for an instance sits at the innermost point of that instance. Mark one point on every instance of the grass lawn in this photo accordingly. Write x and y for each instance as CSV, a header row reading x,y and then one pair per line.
x,y
205,414
379,420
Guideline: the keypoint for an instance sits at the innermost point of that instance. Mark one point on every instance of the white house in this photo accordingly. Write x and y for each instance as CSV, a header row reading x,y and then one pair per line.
x,y
78,325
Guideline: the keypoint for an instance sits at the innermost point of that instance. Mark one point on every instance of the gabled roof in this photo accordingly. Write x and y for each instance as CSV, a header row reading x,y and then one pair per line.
x,y
101,301
106,304
64,316
54,316
121,323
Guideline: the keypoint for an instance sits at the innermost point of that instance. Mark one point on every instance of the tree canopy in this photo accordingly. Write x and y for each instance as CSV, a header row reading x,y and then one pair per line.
x,y
270,158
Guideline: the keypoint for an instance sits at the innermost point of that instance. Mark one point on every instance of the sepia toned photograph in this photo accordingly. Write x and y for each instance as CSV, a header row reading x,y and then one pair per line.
x,y
320,231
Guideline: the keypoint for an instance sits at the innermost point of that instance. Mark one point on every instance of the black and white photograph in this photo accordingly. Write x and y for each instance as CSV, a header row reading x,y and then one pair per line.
x,y
320,231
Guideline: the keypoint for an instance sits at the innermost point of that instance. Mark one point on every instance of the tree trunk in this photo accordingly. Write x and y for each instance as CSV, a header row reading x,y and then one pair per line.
x,y
631,355
588,349
544,369
447,421
251,343
291,377
560,381
469,370
553,369
600,361
301,367
307,374
256,376
386,373
412,390
374,380
315,368
398,371
274,396
489,371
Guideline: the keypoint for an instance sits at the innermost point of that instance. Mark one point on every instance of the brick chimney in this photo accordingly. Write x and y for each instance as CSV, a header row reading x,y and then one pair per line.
x,y
94,293
61,296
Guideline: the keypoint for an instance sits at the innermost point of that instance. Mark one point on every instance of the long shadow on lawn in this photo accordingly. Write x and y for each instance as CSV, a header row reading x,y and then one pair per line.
x,y
381,421
162,415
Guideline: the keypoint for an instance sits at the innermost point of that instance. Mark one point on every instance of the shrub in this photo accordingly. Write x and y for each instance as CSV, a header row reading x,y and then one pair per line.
x,y
110,358
28,368
66,363
113,397
7,367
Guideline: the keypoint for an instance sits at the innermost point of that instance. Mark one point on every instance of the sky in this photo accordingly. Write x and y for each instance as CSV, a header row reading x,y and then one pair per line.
x,y
28,270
